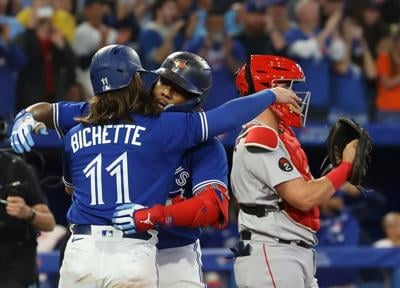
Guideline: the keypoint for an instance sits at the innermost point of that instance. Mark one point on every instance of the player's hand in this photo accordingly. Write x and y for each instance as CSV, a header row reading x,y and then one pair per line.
x,y
123,218
286,96
21,135
17,207
349,152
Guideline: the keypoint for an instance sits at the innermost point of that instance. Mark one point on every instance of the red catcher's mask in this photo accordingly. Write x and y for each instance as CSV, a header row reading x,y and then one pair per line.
x,y
268,71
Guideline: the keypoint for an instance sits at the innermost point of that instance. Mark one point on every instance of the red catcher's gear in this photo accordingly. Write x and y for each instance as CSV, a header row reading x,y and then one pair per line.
x,y
299,160
340,174
260,136
268,71
208,207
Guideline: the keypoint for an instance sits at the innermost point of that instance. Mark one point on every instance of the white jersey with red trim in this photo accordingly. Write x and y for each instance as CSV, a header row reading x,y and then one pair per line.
x,y
259,165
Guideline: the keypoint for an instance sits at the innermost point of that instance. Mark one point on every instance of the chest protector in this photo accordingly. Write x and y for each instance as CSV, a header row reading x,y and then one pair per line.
x,y
310,218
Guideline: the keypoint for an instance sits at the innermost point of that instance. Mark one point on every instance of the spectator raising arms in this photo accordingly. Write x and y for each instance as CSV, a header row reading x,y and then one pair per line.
x,y
388,70
50,62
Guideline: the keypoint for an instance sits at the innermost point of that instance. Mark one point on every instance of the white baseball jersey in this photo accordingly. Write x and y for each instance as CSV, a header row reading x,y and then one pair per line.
x,y
272,259
256,170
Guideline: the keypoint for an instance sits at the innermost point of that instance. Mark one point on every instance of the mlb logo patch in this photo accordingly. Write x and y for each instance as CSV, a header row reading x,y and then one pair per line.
x,y
107,233
106,87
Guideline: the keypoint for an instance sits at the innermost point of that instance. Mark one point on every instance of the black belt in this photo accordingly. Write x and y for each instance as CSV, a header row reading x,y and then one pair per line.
x,y
246,235
87,230
259,210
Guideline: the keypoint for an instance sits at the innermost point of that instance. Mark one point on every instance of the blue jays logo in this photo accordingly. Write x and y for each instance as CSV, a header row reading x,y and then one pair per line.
x,y
180,64
181,176
182,180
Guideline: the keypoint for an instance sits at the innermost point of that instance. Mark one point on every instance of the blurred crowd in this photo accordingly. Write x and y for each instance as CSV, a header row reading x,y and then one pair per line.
x,y
349,50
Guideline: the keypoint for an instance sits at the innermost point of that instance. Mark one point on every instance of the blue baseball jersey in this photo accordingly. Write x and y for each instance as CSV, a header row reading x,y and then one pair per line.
x,y
201,165
126,163
98,158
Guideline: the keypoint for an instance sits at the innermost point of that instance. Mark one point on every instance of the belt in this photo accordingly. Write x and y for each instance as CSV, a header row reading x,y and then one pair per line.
x,y
259,210
87,230
246,235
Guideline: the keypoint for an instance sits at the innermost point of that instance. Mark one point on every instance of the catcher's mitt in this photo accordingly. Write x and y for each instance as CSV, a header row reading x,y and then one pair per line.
x,y
343,131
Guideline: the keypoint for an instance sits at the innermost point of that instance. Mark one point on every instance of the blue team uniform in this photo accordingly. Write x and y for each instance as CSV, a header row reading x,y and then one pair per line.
x,y
202,165
111,165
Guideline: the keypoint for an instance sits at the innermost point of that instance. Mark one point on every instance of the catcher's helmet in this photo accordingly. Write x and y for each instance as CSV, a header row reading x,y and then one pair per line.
x,y
268,71
191,73
113,67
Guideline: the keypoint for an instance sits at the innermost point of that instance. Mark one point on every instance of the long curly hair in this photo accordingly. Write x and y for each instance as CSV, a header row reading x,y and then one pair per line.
x,y
118,105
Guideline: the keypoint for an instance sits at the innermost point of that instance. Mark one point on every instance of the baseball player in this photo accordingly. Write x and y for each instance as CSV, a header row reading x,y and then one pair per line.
x,y
99,157
271,180
202,168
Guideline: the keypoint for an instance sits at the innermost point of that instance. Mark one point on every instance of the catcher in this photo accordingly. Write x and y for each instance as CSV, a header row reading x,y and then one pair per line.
x,y
278,196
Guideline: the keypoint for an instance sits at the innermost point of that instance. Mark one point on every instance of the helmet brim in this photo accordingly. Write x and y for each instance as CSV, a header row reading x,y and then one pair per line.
x,y
177,79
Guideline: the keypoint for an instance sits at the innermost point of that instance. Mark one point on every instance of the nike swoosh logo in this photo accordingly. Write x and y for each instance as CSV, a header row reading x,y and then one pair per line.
x,y
76,239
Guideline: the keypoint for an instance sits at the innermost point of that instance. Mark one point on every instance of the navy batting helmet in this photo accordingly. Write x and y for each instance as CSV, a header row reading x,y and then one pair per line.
x,y
113,67
191,73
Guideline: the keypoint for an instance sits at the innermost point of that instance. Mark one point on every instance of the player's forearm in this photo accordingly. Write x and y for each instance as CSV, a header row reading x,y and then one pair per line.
x,y
238,111
200,211
313,193
42,112
323,188
304,195
43,219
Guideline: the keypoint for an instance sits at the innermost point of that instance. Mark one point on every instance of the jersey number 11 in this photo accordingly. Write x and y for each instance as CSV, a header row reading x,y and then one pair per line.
x,y
118,168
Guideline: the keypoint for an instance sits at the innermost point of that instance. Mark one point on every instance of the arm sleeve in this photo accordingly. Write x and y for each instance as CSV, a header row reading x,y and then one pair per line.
x,y
237,112
66,172
64,114
189,129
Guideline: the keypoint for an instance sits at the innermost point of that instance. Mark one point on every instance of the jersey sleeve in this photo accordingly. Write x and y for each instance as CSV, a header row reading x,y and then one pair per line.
x,y
184,130
66,171
208,165
64,114
273,167
237,112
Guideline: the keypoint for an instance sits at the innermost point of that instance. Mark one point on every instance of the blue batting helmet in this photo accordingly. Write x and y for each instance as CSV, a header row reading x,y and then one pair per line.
x,y
191,73
113,67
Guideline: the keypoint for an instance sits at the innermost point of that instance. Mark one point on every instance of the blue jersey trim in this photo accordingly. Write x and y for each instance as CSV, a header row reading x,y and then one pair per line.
x,y
204,126
56,123
66,183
